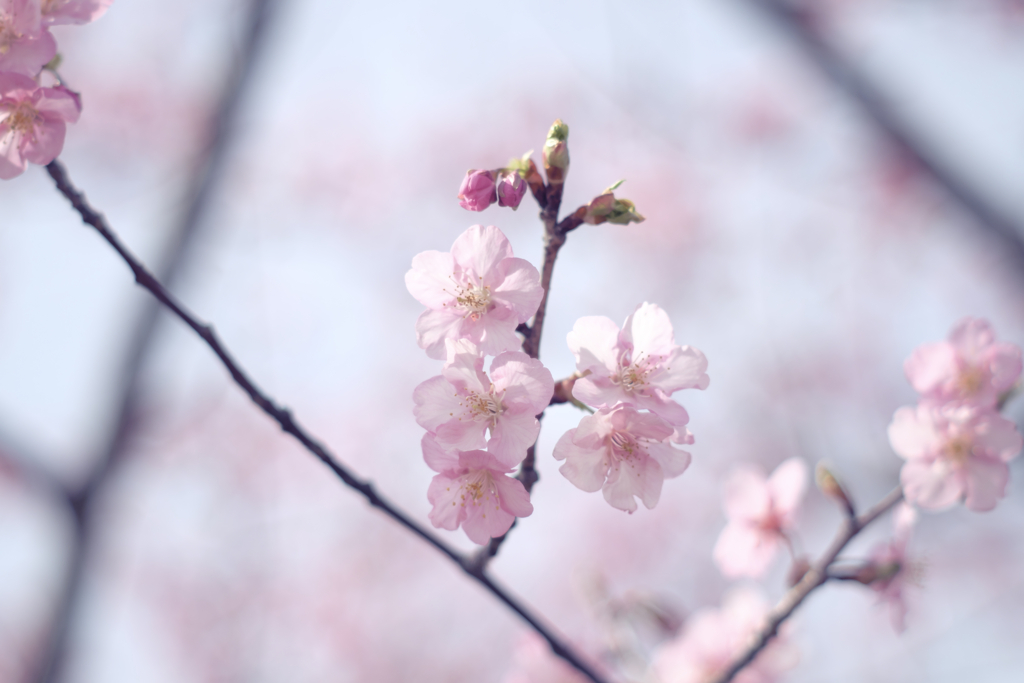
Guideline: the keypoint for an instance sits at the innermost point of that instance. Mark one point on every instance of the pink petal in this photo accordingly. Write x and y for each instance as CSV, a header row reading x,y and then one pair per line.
x,y
480,248
618,489
1005,366
481,525
742,550
747,496
462,434
649,330
438,458
430,279
28,54
997,435
75,11
912,432
673,461
986,483
494,332
663,406
47,143
465,367
641,477
970,337
444,494
592,430
519,288
684,368
786,486
526,383
12,164
930,484
514,498
432,328
59,104
435,403
930,365
641,425
511,436
585,468
593,342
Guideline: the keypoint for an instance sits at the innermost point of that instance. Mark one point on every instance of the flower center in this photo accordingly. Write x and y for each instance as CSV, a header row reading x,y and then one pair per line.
x,y
633,376
958,450
21,118
478,488
475,300
970,381
484,408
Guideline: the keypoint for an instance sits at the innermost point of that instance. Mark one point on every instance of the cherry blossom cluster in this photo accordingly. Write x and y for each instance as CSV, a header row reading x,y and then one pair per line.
x,y
34,118
629,375
954,440
480,424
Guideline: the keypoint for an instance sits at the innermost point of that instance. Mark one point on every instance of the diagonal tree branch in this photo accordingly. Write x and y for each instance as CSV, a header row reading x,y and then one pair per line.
x,y
815,577
800,24
288,423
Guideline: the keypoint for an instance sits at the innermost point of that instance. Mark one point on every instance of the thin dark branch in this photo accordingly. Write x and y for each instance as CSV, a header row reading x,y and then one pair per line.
x,y
814,578
288,423
801,25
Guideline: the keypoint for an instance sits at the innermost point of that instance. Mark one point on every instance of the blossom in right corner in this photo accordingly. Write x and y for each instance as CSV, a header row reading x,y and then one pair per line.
x,y
954,453
761,512
712,639
970,367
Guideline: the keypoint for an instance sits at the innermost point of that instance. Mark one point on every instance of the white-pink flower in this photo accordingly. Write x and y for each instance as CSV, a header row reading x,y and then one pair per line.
x,y
32,122
953,453
25,46
761,512
462,403
73,11
473,490
891,570
478,292
713,638
970,367
641,364
624,453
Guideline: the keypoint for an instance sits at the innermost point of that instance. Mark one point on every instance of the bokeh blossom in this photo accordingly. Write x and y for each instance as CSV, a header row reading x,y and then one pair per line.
x,y
25,45
478,292
953,453
641,364
32,122
712,638
761,512
890,570
624,453
462,404
969,367
473,490
477,191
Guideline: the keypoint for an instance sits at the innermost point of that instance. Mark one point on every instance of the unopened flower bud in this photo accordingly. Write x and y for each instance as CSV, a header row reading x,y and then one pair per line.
x,y
556,153
830,486
477,191
606,208
511,189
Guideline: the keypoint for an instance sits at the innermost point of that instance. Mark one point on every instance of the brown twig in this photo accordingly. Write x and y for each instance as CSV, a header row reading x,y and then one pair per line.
x,y
288,423
817,575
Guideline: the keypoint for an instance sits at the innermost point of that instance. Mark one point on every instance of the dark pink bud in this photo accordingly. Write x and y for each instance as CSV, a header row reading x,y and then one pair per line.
x,y
511,189
477,191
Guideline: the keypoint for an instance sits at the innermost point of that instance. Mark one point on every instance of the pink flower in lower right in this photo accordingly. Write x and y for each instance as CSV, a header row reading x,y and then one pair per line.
x,y
954,453
713,638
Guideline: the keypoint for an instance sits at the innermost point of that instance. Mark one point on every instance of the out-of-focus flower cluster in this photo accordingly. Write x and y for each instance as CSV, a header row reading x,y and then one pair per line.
x,y
954,440
480,424
34,117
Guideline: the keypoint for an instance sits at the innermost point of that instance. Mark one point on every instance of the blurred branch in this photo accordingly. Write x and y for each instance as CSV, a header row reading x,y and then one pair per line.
x,y
28,467
288,423
802,27
206,177
816,576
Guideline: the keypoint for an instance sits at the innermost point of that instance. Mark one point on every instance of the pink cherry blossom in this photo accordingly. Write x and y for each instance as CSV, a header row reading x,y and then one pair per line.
x,y
32,122
969,367
761,512
624,453
953,453
511,190
25,46
890,568
477,191
473,490
478,292
462,404
73,11
712,638
641,364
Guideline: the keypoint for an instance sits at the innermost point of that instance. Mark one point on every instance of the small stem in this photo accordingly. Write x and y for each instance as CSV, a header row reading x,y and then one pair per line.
x,y
815,577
